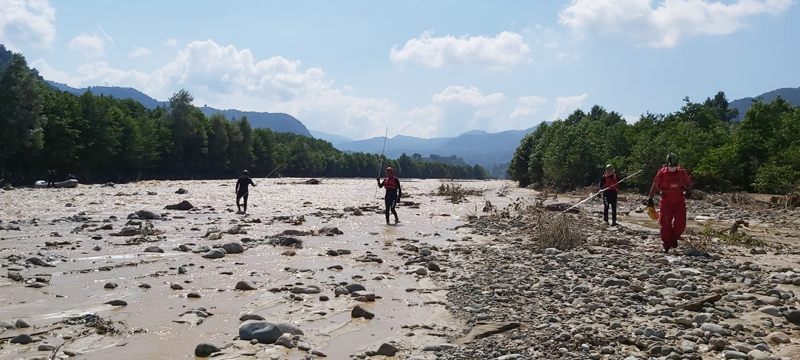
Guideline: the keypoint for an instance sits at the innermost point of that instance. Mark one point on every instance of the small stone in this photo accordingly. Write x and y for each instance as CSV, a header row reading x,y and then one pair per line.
x,y
758,355
608,282
713,328
730,354
153,249
323,298
354,287
793,316
193,295
245,285
387,349
233,248
718,343
360,312
181,206
214,254
205,350
110,286
246,317
117,303
432,266
145,286
46,347
421,271
286,341
175,286
21,324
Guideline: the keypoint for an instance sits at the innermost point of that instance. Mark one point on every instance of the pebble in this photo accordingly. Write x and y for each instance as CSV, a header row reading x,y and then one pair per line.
x,y
214,254
22,339
387,349
360,312
778,337
245,285
21,324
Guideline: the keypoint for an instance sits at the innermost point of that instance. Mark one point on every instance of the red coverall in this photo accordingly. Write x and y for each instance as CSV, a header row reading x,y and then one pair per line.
x,y
673,205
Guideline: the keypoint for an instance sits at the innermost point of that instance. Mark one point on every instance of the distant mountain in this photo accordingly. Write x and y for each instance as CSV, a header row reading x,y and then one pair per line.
x,y
279,122
475,147
791,95
335,140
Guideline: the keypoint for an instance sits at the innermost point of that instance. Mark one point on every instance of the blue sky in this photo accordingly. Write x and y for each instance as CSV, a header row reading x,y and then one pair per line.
x,y
424,68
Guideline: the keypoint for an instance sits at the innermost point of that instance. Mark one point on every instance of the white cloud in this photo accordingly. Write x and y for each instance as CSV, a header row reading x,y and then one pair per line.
x,y
528,106
171,42
467,95
227,77
91,46
567,104
631,119
31,22
138,52
668,22
504,50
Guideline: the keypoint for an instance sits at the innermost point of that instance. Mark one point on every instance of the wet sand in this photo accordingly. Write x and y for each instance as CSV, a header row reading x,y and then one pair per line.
x,y
76,283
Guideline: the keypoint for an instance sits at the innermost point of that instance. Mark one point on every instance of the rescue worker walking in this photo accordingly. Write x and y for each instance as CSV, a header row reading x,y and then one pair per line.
x,y
674,184
242,190
609,185
393,193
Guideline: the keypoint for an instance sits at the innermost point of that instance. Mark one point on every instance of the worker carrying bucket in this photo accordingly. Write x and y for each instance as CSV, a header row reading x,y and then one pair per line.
x,y
674,185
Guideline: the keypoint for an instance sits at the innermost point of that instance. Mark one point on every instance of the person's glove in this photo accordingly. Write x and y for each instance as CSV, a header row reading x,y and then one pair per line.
x,y
650,202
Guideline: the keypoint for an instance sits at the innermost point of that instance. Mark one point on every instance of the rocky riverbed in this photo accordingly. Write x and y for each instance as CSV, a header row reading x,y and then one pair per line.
x,y
169,270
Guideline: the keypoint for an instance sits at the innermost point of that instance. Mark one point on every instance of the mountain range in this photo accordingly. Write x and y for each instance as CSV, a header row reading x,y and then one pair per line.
x,y
791,95
491,150
279,122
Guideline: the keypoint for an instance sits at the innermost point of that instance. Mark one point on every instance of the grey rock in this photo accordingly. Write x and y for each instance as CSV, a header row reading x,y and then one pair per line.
x,y
758,355
22,339
21,324
286,341
181,206
38,262
771,310
615,282
193,295
731,354
147,215
262,331
387,349
153,249
205,350
289,328
233,248
433,266
713,328
6,325
421,271
360,312
214,254
117,303
245,285
438,347
778,338
354,287
793,316
330,231
246,317
175,286
46,347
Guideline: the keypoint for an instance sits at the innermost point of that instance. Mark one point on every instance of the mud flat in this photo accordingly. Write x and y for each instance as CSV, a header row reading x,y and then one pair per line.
x,y
107,272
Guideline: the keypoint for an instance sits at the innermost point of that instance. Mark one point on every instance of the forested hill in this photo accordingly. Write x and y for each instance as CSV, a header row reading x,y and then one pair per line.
x,y
274,121
790,95
102,138
760,153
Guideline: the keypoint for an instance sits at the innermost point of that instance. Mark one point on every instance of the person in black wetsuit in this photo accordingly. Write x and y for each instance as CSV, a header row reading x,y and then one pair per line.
x,y
242,190
51,178
393,193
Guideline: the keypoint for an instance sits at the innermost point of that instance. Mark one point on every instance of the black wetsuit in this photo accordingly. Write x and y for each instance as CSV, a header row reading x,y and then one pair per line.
x,y
51,178
242,190
393,194
611,184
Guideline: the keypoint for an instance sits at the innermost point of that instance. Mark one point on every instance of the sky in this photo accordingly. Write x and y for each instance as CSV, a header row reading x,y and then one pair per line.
x,y
420,68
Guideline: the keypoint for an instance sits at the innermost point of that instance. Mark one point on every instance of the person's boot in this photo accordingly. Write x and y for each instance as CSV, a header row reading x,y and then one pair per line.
x,y
396,220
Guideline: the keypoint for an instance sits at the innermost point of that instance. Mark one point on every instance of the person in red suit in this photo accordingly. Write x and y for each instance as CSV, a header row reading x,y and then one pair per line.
x,y
393,193
674,185
609,185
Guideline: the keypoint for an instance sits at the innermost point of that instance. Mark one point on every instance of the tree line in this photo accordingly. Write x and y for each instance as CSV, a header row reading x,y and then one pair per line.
x,y
100,139
761,153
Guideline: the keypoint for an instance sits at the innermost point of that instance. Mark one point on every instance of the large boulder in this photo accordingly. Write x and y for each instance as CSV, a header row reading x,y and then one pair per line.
x,y
264,332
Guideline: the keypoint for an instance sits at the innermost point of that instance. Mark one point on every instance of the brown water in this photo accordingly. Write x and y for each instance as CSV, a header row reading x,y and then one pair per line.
x,y
327,325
